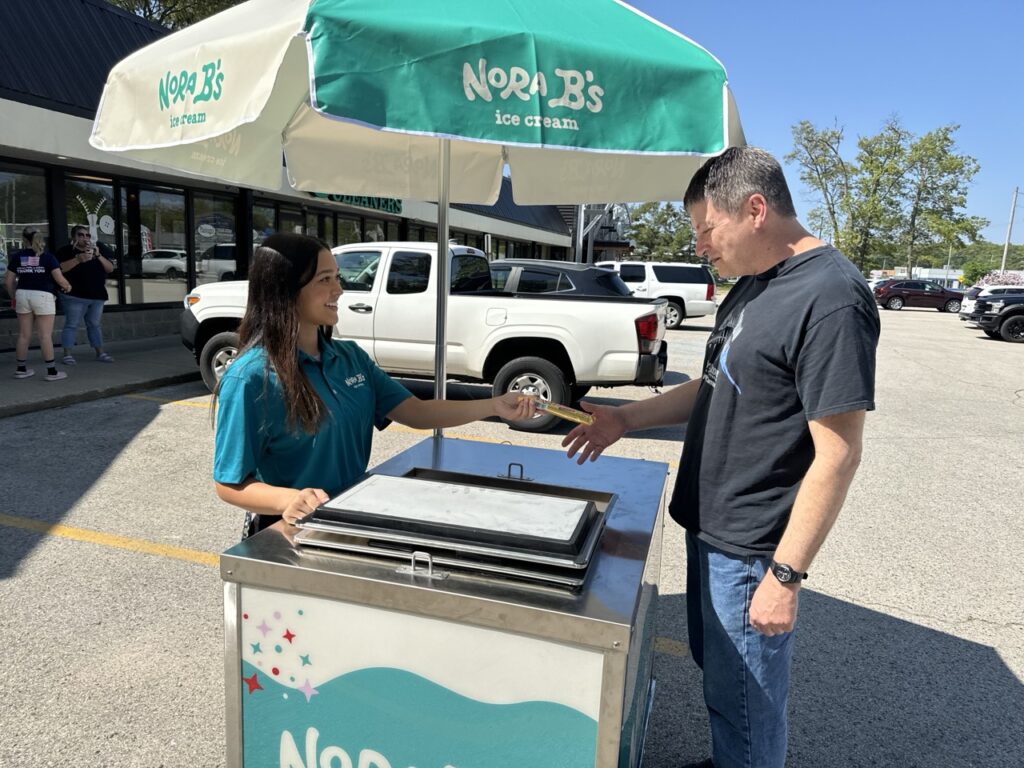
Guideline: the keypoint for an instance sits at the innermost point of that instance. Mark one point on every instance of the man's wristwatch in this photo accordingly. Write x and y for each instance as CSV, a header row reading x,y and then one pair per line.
x,y
786,574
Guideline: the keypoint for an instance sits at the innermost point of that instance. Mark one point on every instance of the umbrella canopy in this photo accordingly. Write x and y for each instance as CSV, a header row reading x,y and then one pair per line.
x,y
585,101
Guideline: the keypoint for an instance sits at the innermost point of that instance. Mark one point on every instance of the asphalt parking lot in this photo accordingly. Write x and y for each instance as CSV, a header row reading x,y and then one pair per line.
x,y
910,648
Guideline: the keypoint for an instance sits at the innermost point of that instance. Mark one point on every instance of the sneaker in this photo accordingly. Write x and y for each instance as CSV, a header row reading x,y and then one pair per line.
x,y
56,376
24,374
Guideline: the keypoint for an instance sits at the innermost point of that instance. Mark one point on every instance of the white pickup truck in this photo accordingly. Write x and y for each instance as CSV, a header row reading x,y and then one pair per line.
x,y
555,346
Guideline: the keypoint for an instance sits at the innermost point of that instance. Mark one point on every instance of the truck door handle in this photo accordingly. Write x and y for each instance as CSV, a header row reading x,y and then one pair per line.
x,y
362,308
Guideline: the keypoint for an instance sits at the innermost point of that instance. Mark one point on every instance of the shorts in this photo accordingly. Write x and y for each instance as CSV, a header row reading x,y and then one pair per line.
x,y
35,302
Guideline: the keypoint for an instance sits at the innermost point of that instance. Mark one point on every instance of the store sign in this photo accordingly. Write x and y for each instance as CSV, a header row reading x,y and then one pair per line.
x,y
383,204
329,684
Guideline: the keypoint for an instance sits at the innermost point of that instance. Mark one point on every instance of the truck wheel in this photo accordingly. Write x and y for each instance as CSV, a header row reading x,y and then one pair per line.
x,y
1012,328
674,315
218,353
577,392
533,376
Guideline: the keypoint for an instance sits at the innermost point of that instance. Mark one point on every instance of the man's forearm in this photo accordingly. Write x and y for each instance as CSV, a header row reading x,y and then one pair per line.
x,y
667,409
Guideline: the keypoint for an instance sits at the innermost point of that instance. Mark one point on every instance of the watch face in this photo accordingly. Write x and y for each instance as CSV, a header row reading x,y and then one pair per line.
x,y
783,573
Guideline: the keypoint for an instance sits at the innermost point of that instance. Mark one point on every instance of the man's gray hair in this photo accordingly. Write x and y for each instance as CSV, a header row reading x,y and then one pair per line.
x,y
728,181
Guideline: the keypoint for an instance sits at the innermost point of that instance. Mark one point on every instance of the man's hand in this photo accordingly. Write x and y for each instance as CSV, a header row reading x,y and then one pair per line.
x,y
773,607
590,440
304,502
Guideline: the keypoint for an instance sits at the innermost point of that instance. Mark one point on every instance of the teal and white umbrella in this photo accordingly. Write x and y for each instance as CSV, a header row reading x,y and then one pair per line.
x,y
583,101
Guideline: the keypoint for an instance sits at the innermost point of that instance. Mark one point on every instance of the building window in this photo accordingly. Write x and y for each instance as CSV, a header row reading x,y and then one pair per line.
x,y
161,274
292,221
312,225
22,203
348,230
214,218
375,230
91,203
263,222
328,229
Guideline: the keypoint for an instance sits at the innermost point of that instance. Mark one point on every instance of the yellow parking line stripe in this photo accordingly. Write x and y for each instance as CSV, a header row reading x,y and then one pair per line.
x,y
110,540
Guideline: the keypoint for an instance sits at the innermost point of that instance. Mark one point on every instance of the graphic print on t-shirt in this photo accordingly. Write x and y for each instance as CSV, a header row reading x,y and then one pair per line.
x,y
719,345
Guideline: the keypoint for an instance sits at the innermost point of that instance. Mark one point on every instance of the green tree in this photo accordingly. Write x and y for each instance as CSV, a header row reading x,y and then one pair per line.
x,y
937,179
823,169
974,271
174,14
660,232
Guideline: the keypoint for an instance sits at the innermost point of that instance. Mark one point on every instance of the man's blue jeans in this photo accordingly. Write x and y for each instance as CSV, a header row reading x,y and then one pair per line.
x,y
746,674
74,310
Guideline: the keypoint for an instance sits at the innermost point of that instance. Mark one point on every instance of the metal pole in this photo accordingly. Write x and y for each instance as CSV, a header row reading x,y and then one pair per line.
x,y
1009,229
441,336
578,255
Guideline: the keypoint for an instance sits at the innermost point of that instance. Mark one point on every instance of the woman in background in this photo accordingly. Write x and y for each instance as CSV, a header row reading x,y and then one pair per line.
x,y
31,275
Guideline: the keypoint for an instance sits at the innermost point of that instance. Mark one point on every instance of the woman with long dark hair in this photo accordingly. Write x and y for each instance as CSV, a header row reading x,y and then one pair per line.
x,y
296,410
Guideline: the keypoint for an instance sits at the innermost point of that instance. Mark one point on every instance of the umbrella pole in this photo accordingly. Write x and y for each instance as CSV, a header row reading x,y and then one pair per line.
x,y
441,335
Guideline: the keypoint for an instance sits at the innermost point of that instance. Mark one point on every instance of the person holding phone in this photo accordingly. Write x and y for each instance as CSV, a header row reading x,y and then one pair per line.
x,y
86,268
30,279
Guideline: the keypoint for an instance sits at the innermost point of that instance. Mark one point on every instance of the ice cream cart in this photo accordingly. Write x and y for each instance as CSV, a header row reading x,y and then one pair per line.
x,y
466,605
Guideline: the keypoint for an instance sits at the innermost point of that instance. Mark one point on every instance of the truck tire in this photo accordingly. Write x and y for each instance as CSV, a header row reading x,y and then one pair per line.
x,y
218,353
674,315
533,376
1012,328
577,392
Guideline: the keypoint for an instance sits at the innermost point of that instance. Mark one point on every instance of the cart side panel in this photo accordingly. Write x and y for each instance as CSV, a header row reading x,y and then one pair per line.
x,y
327,682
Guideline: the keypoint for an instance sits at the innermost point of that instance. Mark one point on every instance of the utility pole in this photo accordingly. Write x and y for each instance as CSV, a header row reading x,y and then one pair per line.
x,y
1009,229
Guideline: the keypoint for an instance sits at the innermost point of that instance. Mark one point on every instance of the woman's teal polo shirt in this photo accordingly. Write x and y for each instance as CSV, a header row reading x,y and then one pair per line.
x,y
253,438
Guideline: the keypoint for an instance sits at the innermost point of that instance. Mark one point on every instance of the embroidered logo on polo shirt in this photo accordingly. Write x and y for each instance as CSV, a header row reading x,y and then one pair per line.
x,y
356,381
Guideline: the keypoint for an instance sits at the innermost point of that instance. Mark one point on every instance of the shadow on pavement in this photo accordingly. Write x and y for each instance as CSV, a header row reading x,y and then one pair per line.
x,y
44,475
868,689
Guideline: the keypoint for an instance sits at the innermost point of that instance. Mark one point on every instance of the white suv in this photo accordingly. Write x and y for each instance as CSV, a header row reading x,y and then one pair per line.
x,y
688,288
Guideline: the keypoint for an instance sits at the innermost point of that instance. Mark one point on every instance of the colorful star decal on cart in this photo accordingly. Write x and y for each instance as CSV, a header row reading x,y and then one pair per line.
x,y
308,690
305,661
288,635
256,648
254,684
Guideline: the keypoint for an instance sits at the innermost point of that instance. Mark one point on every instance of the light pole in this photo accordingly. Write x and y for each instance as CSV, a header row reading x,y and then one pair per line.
x,y
1009,230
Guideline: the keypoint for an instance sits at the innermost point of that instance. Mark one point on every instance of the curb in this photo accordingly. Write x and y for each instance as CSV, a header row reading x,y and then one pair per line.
x,y
96,394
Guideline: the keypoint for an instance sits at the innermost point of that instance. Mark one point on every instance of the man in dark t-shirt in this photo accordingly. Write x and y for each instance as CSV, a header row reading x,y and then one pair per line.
x,y
773,439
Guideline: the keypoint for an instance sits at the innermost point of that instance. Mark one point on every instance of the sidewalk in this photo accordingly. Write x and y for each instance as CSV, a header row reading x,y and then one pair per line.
x,y
138,364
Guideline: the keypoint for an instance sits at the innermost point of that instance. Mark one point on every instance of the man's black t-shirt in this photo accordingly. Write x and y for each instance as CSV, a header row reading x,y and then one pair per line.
x,y
793,344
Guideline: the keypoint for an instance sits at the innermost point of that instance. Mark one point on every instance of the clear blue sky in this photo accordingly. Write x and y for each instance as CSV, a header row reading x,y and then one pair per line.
x,y
930,63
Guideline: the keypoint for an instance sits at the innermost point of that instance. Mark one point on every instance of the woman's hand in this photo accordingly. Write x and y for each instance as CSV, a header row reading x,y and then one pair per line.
x,y
590,440
302,503
515,406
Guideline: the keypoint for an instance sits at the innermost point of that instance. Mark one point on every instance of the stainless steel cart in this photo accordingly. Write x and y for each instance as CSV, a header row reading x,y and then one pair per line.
x,y
350,645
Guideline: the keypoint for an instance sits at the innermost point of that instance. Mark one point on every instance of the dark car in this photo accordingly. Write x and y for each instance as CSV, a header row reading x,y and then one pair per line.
x,y
546,276
897,294
1000,317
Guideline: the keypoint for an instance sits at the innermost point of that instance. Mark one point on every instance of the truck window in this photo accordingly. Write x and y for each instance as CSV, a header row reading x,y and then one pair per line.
x,y
499,277
357,269
539,281
632,273
409,272
470,274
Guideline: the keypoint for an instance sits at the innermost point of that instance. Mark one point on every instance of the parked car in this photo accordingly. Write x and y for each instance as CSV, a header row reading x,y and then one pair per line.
x,y
547,276
165,262
897,294
1000,317
984,291
688,288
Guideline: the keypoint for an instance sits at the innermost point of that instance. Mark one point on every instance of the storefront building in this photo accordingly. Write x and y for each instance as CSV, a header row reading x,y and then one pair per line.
x,y
169,232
